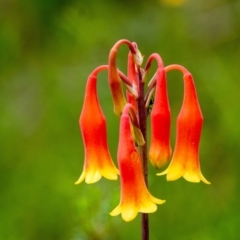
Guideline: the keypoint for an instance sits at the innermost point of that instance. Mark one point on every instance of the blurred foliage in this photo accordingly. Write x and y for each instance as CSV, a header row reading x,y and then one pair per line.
x,y
47,50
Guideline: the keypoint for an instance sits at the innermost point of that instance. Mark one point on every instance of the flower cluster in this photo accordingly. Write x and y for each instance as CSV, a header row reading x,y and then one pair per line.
x,y
135,196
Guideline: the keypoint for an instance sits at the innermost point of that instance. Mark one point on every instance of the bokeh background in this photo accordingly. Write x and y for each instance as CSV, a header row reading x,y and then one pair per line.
x,y
47,50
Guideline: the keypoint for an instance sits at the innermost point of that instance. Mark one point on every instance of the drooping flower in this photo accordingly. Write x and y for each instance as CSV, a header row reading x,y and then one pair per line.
x,y
185,160
132,76
115,84
135,196
97,160
160,148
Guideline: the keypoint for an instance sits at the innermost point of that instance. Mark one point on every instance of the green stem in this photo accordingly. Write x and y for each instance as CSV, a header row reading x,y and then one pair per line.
x,y
142,115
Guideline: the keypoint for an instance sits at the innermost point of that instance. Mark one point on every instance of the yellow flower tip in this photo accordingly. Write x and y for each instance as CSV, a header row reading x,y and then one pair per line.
x,y
157,200
195,177
92,177
111,176
116,211
158,164
204,179
110,173
173,172
191,177
207,182
162,173
81,178
150,207
77,182
129,214
161,201
173,176
159,157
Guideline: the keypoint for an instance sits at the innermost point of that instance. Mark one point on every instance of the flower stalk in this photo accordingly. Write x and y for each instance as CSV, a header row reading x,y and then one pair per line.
x,y
142,115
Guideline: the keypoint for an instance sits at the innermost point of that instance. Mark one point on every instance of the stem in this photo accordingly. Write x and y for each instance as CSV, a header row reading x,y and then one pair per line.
x,y
142,115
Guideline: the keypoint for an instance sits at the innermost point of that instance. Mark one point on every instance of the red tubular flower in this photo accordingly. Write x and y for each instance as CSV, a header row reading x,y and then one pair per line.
x,y
185,160
119,100
98,161
160,148
135,196
132,76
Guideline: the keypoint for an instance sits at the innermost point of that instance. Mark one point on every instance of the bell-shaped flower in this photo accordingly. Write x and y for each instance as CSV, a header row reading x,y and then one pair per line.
x,y
135,196
185,160
160,148
98,161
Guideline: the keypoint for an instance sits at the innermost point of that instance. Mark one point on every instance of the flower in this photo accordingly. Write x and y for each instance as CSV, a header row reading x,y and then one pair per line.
x,y
135,196
119,100
98,161
132,76
185,160
114,79
160,148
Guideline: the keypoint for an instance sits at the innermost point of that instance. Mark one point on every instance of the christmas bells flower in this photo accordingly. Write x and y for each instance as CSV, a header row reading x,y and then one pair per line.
x,y
185,160
132,76
160,148
135,196
98,161
118,97
133,109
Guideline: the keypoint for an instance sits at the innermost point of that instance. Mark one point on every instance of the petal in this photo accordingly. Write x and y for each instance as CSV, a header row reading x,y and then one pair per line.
x,y
191,176
203,178
116,211
174,171
129,213
148,207
111,174
92,177
157,200
81,178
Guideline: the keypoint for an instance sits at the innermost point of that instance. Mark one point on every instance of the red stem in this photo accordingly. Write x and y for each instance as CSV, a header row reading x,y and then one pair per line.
x,y
142,116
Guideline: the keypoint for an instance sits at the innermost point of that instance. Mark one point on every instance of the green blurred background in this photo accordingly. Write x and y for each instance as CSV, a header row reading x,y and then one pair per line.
x,y
47,50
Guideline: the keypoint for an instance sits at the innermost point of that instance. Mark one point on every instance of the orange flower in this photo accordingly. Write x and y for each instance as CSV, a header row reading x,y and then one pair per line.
x,y
132,76
160,148
115,84
98,161
135,196
185,160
